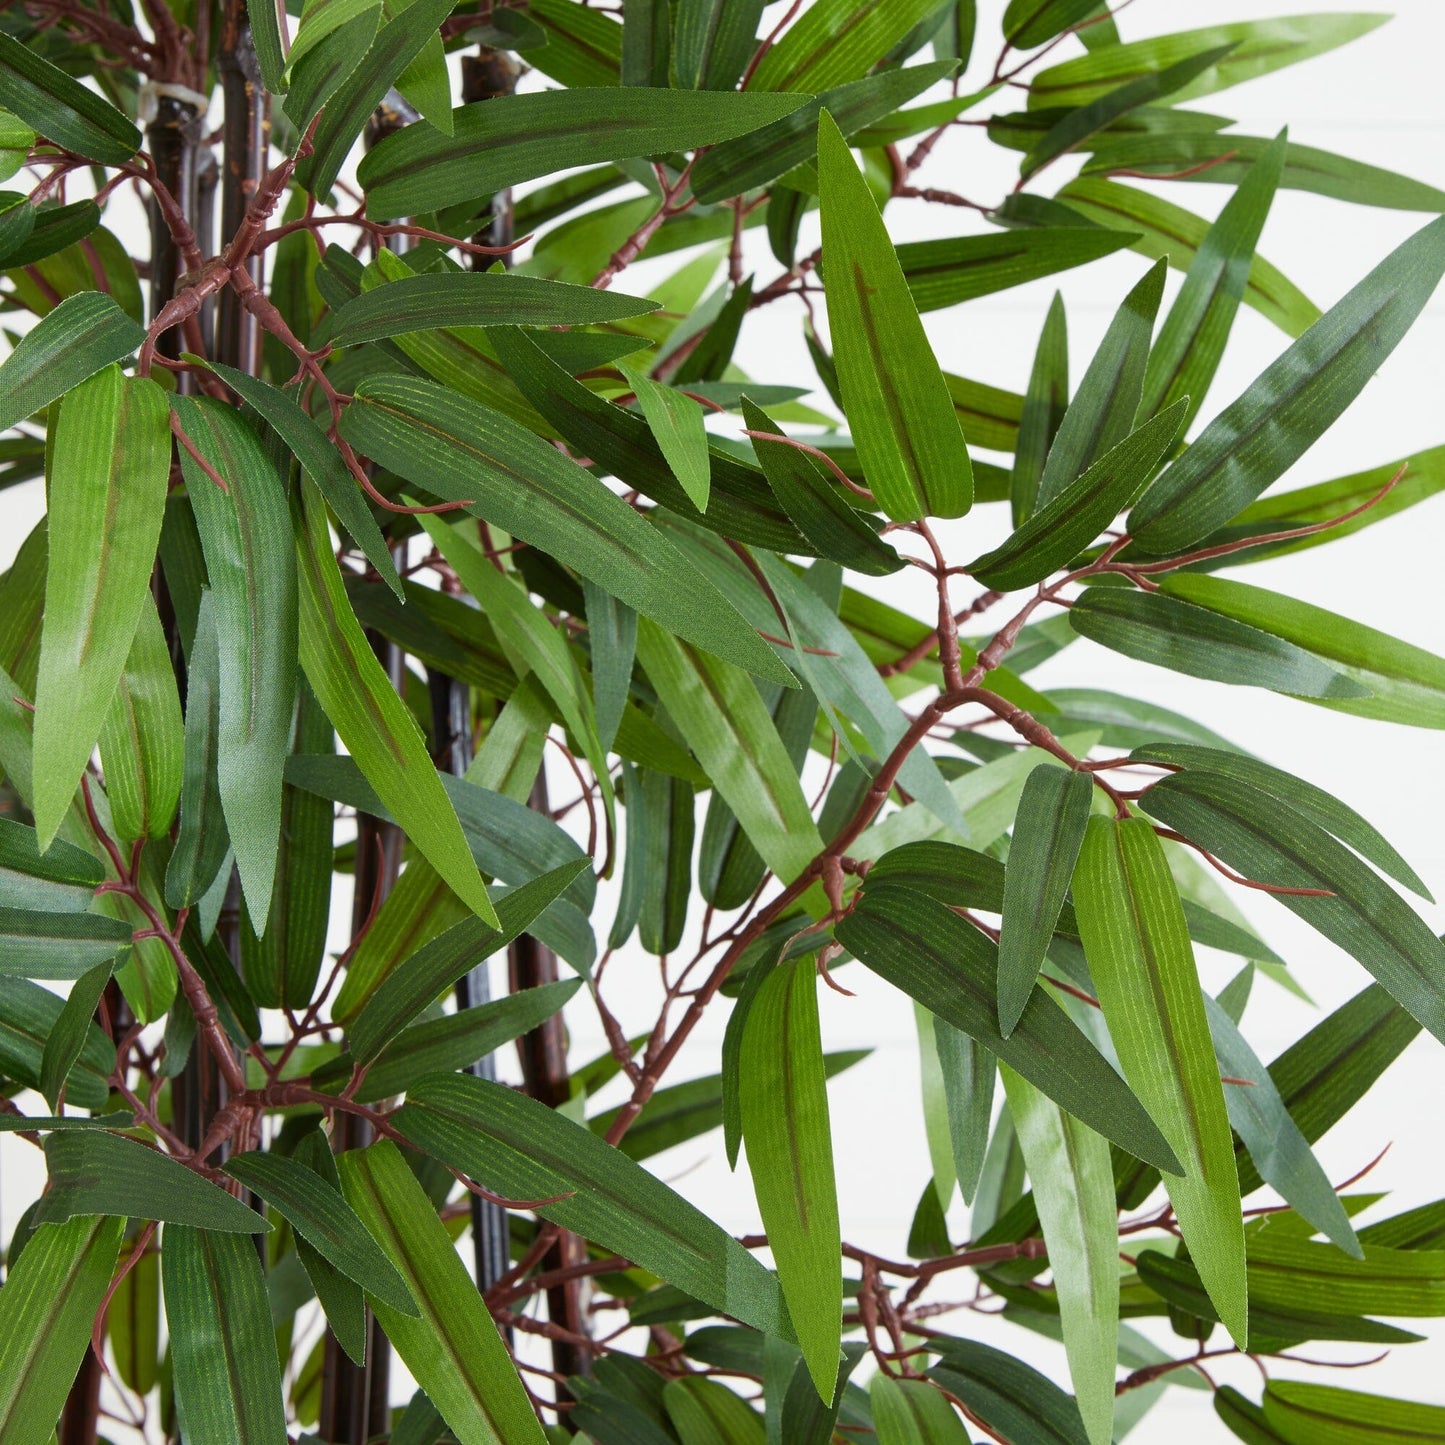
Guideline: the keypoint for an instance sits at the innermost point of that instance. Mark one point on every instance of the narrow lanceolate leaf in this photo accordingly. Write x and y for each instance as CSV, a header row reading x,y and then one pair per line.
x,y
96,1173
28,1016
1401,682
1011,1398
1191,341
432,969
1073,1181
1304,1414
1258,437
251,565
1063,527
324,1220
500,142
453,1349
63,879
912,1412
723,719
319,73
270,43
1044,405
1193,640
713,41
1028,23
462,451
1265,839
67,1038
525,1150
784,1099
1143,969
472,298
612,644
1280,1152
201,843
376,726
704,1412
47,1309
67,345
224,1369
909,442
1102,412
837,40
36,944
109,463
58,107
969,1072
1292,1273
1053,812
676,421
947,965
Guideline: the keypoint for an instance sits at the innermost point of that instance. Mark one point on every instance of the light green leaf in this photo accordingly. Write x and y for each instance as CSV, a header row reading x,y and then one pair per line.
x,y
704,1412
612,644
676,421
320,72
266,20
835,41
1143,969
1305,1414
912,1412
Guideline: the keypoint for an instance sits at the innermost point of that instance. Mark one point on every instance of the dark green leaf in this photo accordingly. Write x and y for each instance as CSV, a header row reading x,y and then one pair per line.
x,y
912,1412
28,1016
61,880
67,1038
835,41
703,1412
1304,1414
270,43
321,71
712,40
60,108
612,643
1028,23
1045,403
57,945
1007,1395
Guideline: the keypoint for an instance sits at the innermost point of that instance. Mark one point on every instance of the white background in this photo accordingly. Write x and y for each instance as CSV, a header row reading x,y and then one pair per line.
x,y
1377,100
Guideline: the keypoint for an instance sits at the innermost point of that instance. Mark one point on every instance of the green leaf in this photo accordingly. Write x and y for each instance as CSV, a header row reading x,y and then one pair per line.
x,y
143,739
968,1071
1029,23
324,1220
245,533
1292,1273
225,1373
1256,439
1143,970
612,644
1304,1414
512,138
57,945
1258,47
646,42
46,1311
1244,1418
96,1173
783,1097
1056,533
399,41
811,497
1073,1182
1172,633
930,953
1052,815
1044,406
676,421
453,1350
1267,840
727,726
320,72
436,966
133,1323
109,462
712,41
61,109
582,47
520,1147
771,151
835,41
462,451
1398,682
376,726
657,873
28,1016
912,1412
1191,341
1314,803
704,1412
1012,1399
907,434
323,464
270,43
1103,410
67,1038
61,880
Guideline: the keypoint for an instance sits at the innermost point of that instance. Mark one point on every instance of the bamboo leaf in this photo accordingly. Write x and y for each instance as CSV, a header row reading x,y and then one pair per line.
x,y
61,880
376,726
1029,23
58,946
712,42
110,458
227,1380
67,1038
28,1016
1052,815
1305,1414
909,442
1011,1398
526,1150
501,142
783,1097
835,41
1045,403
1073,1182
923,948
704,1412
612,644
1255,439
676,422
1289,1273
912,1412
1143,970
270,43
319,72
453,1349
46,1311
245,533
60,108
133,1323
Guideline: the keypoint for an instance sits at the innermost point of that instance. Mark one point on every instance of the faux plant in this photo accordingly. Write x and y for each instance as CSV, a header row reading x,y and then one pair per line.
x,y
399,546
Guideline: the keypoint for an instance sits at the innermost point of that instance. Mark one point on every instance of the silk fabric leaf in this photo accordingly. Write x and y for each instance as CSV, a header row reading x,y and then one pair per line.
x,y
1048,831
1045,403
35,944
1143,969
712,41
63,879
1073,1181
453,1349
324,68
612,644
227,1379
109,464
703,1412
526,1150
783,1096
47,1309
60,108
1258,437
835,41
1028,23
376,726
676,421
923,948
909,442
1011,1398
912,1412
1306,1414
969,1072
67,1038
251,564
28,1016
